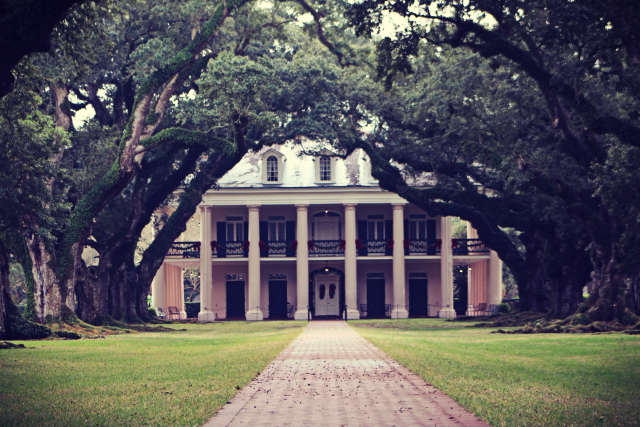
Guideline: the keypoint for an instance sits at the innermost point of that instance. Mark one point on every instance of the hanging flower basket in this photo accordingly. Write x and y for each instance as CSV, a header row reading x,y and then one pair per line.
x,y
390,243
263,246
196,246
454,243
405,243
342,244
214,245
294,246
332,290
358,244
310,245
439,243
245,245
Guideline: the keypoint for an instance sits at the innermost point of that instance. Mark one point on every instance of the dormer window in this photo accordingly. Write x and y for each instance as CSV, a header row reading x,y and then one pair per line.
x,y
272,167
325,167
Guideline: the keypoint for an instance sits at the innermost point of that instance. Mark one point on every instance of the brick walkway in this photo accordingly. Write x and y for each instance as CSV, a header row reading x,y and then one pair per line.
x,y
331,376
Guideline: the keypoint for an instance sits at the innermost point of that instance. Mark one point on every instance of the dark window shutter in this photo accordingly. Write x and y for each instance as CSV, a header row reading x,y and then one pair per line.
x,y
264,236
221,228
406,234
388,234
431,236
362,235
246,236
290,236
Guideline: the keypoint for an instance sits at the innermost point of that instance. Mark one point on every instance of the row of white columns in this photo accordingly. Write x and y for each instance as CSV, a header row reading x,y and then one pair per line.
x,y
302,264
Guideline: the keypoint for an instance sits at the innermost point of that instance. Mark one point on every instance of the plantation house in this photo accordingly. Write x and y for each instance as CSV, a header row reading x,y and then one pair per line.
x,y
291,235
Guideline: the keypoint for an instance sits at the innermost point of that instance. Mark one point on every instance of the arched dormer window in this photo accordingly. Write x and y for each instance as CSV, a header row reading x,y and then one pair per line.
x,y
325,168
272,165
272,169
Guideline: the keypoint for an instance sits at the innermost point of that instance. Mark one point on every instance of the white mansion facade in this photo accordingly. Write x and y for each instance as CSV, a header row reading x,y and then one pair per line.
x,y
294,235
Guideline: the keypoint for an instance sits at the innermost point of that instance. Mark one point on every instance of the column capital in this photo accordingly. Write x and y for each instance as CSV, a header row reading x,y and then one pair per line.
x,y
253,207
349,206
301,207
398,206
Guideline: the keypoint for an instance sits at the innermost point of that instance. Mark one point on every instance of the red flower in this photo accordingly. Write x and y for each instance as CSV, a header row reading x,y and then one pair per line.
x,y
438,243
405,243
358,244
263,246
454,243
294,245
245,245
342,244
196,246
390,243
310,245
214,245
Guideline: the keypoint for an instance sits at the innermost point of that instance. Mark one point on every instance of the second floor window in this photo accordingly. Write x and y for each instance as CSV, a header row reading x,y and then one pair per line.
x,y
375,227
235,229
325,168
277,228
272,169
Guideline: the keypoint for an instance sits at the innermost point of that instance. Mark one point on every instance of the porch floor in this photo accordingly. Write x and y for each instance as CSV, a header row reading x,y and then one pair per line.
x,y
331,376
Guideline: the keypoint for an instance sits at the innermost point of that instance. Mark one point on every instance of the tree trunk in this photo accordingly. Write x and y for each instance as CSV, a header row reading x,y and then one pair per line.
x,y
531,289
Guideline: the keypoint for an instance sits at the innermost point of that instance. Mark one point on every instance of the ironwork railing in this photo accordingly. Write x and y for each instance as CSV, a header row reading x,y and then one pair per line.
x,y
468,246
425,246
325,247
279,248
185,249
375,246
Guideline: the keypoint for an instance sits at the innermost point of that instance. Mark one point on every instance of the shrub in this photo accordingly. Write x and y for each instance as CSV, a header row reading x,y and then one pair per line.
x,y
68,335
504,308
628,318
152,312
19,328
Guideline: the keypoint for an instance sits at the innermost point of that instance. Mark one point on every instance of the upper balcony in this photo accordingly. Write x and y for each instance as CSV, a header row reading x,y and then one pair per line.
x,y
323,248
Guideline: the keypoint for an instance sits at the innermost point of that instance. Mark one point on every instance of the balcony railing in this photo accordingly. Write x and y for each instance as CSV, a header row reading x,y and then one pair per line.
x,y
185,249
468,246
425,246
281,248
325,247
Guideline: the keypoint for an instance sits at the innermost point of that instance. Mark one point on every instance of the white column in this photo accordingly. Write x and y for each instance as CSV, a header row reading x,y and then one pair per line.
x,y
494,287
158,289
399,310
446,270
302,263
350,262
206,313
254,312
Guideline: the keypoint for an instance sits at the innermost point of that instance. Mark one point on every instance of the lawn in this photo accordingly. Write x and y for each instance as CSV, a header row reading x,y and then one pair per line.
x,y
520,380
152,378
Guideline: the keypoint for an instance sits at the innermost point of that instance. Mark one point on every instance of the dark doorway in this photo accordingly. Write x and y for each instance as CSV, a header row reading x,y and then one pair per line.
x,y
277,299
375,298
235,298
418,297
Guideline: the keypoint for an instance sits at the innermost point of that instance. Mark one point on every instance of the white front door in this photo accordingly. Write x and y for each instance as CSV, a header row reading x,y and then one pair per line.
x,y
327,296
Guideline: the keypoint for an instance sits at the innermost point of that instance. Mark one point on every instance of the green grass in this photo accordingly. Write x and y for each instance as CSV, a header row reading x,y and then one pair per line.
x,y
520,380
156,378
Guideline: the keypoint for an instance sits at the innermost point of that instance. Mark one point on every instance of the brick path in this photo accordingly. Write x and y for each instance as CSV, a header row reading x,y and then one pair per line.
x,y
331,376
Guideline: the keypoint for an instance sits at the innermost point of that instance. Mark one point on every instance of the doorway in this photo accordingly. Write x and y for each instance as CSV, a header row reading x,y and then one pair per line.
x,y
376,307
327,296
277,299
235,298
418,297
